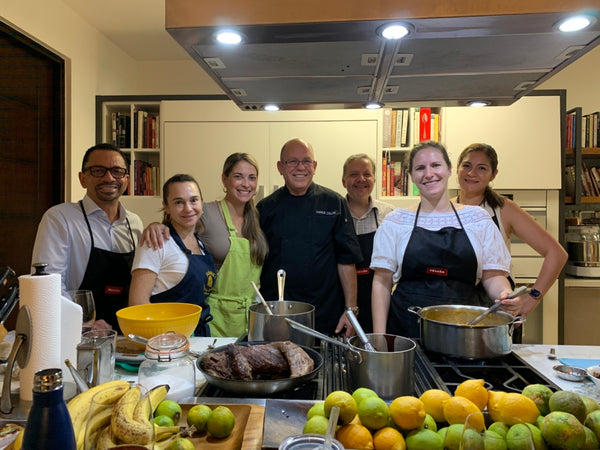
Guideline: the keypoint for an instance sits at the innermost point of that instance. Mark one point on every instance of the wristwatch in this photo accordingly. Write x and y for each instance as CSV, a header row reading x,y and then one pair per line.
x,y
354,309
535,294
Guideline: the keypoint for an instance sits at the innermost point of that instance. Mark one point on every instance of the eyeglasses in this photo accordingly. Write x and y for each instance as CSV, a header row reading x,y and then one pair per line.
x,y
100,171
295,162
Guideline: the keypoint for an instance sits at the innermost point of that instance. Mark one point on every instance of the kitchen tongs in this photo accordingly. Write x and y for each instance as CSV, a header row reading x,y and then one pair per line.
x,y
517,292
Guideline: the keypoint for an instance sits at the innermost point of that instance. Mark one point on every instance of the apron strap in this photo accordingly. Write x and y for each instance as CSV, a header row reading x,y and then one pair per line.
x,y
90,228
227,217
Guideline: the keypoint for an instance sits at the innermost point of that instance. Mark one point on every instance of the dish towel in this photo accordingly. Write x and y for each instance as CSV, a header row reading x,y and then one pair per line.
x,y
581,363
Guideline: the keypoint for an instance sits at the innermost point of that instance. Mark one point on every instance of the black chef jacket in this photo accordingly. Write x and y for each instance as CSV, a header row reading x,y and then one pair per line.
x,y
308,236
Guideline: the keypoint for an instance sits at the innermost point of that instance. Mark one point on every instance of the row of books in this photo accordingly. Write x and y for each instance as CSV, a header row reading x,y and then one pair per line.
x,y
146,178
590,181
395,178
145,129
590,135
405,127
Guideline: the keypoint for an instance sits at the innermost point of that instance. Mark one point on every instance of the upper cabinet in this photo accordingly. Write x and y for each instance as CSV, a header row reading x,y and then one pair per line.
x,y
526,136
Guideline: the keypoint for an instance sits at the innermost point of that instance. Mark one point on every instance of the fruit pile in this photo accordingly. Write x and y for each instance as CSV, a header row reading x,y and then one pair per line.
x,y
480,419
116,413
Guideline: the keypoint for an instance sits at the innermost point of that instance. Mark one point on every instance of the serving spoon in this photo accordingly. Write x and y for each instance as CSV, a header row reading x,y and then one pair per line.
x,y
519,291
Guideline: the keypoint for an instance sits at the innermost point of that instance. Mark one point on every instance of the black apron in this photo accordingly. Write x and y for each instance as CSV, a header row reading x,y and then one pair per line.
x,y
195,285
108,276
438,268
364,279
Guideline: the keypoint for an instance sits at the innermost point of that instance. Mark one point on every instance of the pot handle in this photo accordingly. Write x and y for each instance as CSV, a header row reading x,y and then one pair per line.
x,y
415,310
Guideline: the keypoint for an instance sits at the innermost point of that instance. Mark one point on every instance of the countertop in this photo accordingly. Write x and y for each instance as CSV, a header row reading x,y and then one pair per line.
x,y
536,356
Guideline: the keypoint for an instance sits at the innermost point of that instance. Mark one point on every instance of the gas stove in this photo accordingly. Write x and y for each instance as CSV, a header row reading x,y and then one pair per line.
x,y
432,371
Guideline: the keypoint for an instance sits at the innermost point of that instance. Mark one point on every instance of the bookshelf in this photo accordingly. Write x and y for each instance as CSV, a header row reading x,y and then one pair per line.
x,y
402,129
134,127
581,175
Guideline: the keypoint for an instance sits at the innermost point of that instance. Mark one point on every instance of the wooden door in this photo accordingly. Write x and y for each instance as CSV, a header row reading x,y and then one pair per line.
x,y
31,143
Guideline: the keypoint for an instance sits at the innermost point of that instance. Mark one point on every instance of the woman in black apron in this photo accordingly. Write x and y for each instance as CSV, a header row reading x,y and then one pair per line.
x,y
155,269
439,264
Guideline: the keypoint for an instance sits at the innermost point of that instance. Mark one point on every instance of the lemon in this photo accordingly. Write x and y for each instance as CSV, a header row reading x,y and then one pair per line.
x,y
163,421
408,412
316,425
181,444
198,416
456,410
475,391
389,438
493,405
318,409
345,402
221,422
361,393
170,409
355,436
434,399
373,413
516,408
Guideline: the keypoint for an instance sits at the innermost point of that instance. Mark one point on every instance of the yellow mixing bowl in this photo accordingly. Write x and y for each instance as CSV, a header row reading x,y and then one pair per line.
x,y
152,319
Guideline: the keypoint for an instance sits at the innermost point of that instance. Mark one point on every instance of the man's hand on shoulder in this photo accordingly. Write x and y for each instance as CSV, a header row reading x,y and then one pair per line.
x,y
154,235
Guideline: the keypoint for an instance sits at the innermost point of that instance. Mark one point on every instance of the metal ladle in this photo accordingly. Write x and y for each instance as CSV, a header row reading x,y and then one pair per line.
x,y
517,292
359,331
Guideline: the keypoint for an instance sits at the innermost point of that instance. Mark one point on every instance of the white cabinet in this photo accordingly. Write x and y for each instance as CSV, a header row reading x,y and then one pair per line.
x,y
199,135
526,136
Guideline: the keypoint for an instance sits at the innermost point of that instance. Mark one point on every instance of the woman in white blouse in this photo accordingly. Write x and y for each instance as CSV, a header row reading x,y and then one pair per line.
x,y
435,252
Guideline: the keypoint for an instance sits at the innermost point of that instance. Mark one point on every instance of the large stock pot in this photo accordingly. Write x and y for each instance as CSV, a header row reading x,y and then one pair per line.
x,y
444,330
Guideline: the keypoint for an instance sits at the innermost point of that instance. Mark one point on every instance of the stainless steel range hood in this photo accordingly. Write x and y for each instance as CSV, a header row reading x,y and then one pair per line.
x,y
308,60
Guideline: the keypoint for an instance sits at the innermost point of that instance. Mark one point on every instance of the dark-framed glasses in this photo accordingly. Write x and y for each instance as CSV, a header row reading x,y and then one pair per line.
x,y
100,171
295,162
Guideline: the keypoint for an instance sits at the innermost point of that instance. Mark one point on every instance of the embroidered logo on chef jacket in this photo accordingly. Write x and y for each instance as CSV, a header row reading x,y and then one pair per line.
x,y
326,213
437,271
210,282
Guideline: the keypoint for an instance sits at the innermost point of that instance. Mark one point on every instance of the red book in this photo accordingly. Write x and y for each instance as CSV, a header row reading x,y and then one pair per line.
x,y
424,124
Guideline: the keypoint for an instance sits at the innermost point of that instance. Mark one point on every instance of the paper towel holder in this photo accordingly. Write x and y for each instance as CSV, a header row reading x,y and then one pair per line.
x,y
20,352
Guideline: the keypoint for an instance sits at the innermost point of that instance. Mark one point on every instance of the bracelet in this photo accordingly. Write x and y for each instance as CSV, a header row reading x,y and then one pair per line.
x,y
354,309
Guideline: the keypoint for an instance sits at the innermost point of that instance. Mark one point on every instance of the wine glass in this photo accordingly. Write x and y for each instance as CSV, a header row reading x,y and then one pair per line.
x,y
85,299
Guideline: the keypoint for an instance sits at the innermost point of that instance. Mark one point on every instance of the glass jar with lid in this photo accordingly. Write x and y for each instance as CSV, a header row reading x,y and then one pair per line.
x,y
168,362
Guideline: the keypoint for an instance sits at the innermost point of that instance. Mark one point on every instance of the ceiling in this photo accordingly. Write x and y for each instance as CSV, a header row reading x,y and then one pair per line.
x,y
445,61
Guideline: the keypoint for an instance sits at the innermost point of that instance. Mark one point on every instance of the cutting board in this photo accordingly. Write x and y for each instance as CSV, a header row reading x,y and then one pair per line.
x,y
284,418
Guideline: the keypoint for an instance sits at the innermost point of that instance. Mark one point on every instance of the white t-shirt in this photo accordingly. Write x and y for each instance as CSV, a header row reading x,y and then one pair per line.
x,y
169,264
394,233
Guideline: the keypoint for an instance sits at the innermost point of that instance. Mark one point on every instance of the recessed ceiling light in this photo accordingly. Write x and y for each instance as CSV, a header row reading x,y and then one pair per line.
x,y
373,105
575,23
478,103
271,108
229,37
394,31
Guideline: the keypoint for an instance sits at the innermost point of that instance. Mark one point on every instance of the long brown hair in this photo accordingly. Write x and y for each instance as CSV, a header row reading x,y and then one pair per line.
x,y
251,228
489,195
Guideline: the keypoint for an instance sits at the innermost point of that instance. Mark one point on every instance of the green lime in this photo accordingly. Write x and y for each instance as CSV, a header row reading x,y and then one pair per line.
x,y
373,413
361,393
316,425
181,444
163,421
318,409
170,409
198,416
221,422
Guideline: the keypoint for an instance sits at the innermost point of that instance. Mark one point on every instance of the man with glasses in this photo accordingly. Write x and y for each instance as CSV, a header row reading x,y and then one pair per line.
x,y
311,237
91,243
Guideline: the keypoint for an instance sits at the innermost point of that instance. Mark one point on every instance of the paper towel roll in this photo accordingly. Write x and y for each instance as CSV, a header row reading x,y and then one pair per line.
x,y
42,295
71,320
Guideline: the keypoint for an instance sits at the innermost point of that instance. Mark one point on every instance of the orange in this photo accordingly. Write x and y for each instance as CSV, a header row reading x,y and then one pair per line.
x,y
494,398
475,391
355,436
456,410
389,438
408,412
516,408
434,399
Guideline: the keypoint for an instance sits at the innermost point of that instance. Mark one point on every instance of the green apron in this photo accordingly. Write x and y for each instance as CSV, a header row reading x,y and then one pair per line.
x,y
233,293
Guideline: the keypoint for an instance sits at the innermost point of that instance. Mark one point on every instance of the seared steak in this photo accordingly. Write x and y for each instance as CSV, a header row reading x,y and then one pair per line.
x,y
259,362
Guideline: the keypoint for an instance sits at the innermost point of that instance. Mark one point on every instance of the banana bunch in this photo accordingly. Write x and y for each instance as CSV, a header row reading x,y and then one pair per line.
x,y
119,414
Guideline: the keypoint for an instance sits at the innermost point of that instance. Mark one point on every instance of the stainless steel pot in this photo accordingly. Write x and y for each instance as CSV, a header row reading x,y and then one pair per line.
x,y
584,253
265,327
389,370
259,388
444,330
